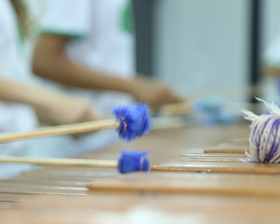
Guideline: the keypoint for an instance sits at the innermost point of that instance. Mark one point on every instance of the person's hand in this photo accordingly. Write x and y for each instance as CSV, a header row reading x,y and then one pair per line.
x,y
271,71
153,93
61,109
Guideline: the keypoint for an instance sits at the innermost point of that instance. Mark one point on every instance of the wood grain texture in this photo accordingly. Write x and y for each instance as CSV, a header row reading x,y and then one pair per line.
x,y
225,150
219,167
98,208
212,158
213,155
191,183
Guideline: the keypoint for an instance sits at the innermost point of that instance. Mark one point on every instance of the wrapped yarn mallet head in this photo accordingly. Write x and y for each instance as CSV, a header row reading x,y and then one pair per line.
x,y
132,122
131,161
265,135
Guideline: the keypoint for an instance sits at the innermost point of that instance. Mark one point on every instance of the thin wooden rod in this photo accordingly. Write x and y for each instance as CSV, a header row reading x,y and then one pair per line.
x,y
60,162
61,130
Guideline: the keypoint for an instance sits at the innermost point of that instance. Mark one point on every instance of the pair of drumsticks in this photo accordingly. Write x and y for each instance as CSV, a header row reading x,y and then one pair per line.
x,y
131,122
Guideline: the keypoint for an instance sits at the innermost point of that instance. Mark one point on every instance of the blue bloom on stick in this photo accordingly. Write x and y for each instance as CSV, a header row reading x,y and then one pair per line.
x,y
134,121
131,161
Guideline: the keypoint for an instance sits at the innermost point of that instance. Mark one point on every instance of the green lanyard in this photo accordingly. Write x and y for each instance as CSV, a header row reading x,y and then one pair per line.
x,y
19,38
127,18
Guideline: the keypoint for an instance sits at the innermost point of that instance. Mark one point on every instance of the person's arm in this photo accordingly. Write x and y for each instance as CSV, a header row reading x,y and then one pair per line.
x,y
51,62
15,92
52,108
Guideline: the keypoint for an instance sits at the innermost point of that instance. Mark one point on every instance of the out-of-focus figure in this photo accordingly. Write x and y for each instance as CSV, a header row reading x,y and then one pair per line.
x,y
20,104
88,47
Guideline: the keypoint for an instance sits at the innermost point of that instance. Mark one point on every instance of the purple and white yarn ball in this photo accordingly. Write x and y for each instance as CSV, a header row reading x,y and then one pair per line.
x,y
265,135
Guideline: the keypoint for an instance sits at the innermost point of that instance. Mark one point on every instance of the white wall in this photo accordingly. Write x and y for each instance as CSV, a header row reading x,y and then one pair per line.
x,y
201,46
271,25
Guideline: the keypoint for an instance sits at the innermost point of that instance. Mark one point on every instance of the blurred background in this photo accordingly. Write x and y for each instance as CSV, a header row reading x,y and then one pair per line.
x,y
213,46
200,47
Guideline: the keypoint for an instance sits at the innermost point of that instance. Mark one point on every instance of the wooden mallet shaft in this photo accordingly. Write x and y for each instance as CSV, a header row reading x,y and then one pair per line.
x,y
61,162
61,130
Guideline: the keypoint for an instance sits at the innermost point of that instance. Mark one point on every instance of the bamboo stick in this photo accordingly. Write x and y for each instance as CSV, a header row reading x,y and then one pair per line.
x,y
61,130
61,162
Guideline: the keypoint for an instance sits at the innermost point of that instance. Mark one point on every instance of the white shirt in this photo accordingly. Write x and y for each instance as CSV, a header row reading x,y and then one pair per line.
x,y
10,61
99,40
16,117
12,66
13,117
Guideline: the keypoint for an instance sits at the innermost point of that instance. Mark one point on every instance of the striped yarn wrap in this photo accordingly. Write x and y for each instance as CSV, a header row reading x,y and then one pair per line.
x,y
265,135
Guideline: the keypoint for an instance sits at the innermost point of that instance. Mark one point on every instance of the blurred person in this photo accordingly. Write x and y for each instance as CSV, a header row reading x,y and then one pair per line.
x,y
87,48
20,104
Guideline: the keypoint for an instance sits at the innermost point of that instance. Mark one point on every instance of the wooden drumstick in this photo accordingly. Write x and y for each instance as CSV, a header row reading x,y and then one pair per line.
x,y
61,130
132,122
60,162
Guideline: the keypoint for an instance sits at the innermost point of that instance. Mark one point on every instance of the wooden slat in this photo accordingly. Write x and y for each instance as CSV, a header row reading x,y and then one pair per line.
x,y
187,183
213,155
220,167
98,208
209,159
225,150
41,190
